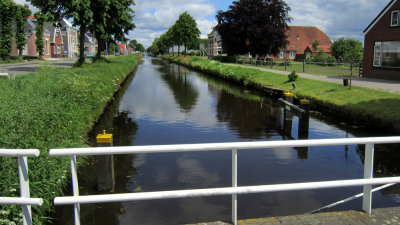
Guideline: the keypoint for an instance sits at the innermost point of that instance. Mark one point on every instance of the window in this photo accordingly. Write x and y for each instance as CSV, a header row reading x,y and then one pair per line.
x,y
282,55
47,47
292,54
395,21
387,54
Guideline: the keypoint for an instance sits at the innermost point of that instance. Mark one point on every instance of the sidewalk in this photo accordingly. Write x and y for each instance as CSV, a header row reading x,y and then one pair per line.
x,y
377,84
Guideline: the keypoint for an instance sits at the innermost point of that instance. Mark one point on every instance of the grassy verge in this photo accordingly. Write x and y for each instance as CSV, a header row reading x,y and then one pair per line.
x,y
52,108
359,105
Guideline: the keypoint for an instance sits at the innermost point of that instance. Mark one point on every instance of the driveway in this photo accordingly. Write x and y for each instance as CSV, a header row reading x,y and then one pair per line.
x,y
32,66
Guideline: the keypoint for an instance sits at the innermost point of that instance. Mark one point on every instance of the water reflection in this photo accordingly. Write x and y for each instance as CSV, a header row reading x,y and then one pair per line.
x,y
184,92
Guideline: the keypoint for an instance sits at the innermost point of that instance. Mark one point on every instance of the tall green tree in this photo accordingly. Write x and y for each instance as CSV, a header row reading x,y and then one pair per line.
x,y
21,15
7,9
39,29
347,50
254,26
185,30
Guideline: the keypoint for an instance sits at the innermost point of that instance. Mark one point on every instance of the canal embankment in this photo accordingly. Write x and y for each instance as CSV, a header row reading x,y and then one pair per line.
x,y
357,105
52,108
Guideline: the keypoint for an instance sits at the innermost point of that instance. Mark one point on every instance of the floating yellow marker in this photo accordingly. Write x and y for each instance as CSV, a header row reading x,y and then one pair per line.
x,y
304,102
288,94
104,138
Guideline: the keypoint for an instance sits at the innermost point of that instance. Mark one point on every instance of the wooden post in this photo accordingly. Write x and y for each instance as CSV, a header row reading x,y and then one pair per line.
x,y
304,120
287,116
304,66
105,164
284,62
351,73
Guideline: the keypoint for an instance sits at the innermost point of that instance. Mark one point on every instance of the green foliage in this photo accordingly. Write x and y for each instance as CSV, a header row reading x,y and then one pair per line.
x,y
315,45
321,56
21,15
39,33
7,9
255,26
185,30
52,108
349,50
293,76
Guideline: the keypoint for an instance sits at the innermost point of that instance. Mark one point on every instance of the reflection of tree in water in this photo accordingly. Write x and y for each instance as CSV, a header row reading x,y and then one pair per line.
x,y
251,119
386,164
184,93
124,131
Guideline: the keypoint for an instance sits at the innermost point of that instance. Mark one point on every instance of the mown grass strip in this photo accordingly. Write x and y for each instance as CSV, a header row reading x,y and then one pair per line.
x,y
362,105
52,108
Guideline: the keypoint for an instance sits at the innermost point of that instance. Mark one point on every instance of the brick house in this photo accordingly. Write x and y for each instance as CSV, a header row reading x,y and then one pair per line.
x,y
90,44
300,40
214,43
30,35
70,39
382,44
299,47
56,41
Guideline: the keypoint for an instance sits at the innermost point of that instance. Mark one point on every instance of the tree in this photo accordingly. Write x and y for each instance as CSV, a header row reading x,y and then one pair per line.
x,y
315,45
185,31
7,8
39,33
347,50
21,15
254,26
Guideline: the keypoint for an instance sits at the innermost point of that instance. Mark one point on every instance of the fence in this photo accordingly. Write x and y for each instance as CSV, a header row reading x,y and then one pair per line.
x,y
316,68
367,182
25,201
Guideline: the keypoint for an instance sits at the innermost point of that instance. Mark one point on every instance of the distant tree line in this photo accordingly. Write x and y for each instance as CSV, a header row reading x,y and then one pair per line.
x,y
109,20
183,33
12,24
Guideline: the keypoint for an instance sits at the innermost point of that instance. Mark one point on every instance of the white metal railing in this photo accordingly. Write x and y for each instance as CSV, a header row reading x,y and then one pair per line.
x,y
25,201
367,182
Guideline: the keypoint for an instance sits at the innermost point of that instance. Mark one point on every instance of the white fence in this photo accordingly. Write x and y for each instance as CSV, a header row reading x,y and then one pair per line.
x,y
24,201
366,182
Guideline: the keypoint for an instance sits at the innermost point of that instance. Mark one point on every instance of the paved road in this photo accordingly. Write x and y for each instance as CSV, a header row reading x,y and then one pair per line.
x,y
32,66
377,84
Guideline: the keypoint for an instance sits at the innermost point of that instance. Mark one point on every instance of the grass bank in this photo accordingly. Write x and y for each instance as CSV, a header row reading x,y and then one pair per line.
x,y
357,105
52,108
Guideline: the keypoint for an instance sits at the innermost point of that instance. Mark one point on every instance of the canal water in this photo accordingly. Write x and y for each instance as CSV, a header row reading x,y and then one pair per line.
x,y
163,103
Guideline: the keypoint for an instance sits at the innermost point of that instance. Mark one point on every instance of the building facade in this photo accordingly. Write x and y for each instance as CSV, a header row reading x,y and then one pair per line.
x,y
214,44
382,44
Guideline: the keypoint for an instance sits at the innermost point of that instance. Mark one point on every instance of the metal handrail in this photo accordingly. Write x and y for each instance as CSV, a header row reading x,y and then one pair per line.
x,y
367,182
25,201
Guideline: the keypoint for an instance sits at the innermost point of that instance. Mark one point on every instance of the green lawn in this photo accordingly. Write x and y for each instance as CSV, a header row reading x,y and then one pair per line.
x,y
314,68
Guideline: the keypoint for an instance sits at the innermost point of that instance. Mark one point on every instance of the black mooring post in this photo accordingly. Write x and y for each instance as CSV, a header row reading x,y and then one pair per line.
x,y
305,119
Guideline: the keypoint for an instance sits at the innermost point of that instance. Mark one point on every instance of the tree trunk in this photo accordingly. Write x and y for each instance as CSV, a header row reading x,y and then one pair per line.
x,y
20,54
82,31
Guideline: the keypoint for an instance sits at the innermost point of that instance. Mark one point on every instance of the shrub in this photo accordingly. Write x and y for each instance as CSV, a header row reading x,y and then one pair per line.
x,y
293,76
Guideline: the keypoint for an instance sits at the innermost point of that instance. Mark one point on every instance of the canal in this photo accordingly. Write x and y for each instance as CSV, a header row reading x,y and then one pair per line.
x,y
163,103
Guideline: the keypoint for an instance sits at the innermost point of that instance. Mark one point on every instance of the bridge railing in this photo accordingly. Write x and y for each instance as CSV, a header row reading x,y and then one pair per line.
x,y
234,190
25,201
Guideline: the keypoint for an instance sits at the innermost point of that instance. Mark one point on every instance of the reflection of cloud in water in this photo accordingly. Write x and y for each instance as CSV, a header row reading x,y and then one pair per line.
x,y
192,172
321,130
140,160
286,154
163,174
156,102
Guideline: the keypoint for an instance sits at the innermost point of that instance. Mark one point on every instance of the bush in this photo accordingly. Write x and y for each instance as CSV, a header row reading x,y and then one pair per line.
x,y
225,59
293,76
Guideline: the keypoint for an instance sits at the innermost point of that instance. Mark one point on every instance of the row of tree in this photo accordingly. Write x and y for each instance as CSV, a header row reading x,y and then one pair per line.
x,y
109,20
12,24
183,33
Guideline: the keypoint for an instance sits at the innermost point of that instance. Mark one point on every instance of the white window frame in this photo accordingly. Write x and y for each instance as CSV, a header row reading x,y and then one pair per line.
x,y
377,53
292,55
282,55
395,23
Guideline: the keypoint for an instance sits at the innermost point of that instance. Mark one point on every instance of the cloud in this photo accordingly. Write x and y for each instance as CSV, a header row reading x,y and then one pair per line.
x,y
154,18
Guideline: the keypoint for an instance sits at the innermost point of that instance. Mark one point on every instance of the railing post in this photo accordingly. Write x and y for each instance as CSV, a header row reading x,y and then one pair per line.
x,y
234,184
368,174
75,188
24,189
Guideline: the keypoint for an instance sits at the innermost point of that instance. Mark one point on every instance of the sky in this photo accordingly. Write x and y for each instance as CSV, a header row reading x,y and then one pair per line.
x,y
337,18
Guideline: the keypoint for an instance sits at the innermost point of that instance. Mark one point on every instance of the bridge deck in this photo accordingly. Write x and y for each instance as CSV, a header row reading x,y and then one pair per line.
x,y
383,216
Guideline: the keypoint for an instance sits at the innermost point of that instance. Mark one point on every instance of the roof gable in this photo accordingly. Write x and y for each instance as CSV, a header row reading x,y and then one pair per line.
x,y
383,12
300,37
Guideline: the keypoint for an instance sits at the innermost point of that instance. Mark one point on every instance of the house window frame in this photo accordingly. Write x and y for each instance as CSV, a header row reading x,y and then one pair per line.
x,y
292,55
386,54
282,54
392,16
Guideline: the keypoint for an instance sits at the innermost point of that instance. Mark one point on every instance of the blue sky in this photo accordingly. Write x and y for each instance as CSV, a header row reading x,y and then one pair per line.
x,y
337,18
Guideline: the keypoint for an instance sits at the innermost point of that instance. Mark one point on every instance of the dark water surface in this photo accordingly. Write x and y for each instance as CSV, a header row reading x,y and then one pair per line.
x,y
168,104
